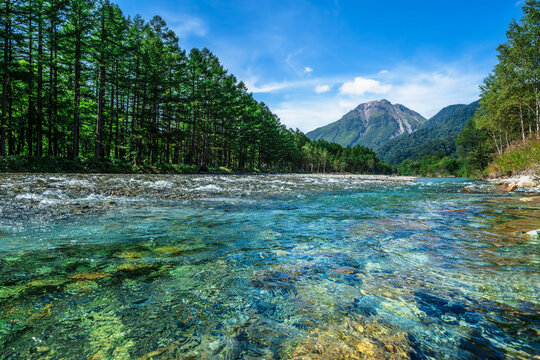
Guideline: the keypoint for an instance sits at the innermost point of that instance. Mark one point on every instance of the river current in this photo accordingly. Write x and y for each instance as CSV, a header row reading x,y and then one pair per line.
x,y
266,267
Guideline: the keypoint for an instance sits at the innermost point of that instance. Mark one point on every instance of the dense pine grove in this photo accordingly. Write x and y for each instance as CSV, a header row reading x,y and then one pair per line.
x,y
81,81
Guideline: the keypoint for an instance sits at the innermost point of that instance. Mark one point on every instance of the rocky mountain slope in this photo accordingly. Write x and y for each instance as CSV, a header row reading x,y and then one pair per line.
x,y
371,124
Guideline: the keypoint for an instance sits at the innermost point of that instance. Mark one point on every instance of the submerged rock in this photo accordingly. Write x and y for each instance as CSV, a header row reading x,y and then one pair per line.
x,y
81,286
353,339
89,276
129,255
529,199
169,250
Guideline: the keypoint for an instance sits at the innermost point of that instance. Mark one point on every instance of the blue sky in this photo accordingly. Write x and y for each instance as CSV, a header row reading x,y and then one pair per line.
x,y
312,61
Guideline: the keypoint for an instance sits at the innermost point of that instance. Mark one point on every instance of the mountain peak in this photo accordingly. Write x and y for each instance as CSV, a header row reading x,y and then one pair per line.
x,y
370,124
382,102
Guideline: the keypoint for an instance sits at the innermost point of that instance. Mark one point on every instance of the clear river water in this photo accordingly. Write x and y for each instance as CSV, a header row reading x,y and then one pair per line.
x,y
266,267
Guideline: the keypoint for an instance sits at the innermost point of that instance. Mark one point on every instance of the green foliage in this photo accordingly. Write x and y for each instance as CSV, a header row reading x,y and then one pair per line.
x,y
517,158
430,165
322,156
505,126
88,165
510,100
437,135
86,89
474,148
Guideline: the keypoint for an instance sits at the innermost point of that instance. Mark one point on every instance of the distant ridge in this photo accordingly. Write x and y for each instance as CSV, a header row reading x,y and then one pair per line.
x,y
370,124
437,135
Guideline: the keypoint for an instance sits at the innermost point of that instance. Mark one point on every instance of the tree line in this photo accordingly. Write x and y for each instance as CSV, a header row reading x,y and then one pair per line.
x,y
323,156
81,80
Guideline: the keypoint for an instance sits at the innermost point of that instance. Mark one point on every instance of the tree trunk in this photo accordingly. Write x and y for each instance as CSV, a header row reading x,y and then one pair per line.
x,y
30,114
39,124
522,125
117,118
77,99
5,81
101,92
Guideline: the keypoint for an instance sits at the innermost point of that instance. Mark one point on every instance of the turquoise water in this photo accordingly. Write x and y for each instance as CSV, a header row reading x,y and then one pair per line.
x,y
265,267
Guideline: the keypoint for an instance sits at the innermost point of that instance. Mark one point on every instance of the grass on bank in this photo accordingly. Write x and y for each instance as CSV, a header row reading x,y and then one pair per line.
x,y
18,164
518,158
90,165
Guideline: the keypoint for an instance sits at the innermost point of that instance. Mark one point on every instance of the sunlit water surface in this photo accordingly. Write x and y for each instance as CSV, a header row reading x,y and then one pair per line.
x,y
265,267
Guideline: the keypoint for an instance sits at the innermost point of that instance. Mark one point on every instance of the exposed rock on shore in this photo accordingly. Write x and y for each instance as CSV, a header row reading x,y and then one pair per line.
x,y
527,182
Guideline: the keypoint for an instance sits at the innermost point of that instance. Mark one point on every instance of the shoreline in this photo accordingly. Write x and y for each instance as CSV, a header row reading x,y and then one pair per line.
x,y
514,182
372,177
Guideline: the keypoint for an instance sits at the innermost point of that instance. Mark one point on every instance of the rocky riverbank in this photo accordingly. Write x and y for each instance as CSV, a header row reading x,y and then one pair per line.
x,y
525,182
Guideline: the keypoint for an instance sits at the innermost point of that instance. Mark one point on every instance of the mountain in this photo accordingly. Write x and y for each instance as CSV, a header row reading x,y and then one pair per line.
x,y
371,124
437,135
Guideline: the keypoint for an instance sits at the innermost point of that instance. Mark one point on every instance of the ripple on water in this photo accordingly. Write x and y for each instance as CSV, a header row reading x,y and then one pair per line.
x,y
265,266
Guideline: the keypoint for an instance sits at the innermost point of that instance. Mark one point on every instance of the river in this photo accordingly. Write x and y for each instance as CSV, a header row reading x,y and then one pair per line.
x,y
266,267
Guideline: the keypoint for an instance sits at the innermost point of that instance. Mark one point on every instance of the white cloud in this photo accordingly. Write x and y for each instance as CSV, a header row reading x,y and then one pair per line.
x,y
429,92
319,89
308,70
382,72
266,88
425,92
362,85
187,25
253,84
308,115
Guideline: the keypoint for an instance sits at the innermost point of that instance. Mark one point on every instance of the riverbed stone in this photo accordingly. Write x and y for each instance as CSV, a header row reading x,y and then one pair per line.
x,y
169,250
511,187
89,276
353,339
530,198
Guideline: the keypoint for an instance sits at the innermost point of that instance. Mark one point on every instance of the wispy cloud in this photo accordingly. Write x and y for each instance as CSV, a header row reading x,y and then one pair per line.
x,y
266,88
185,26
308,70
360,86
319,89
256,86
426,92
308,115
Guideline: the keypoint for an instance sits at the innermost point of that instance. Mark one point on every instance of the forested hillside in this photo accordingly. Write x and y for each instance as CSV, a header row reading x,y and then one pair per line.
x,y
507,125
436,136
81,81
502,134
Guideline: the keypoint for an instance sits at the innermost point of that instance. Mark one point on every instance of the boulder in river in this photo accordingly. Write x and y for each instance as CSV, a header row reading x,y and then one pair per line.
x,y
534,234
525,182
